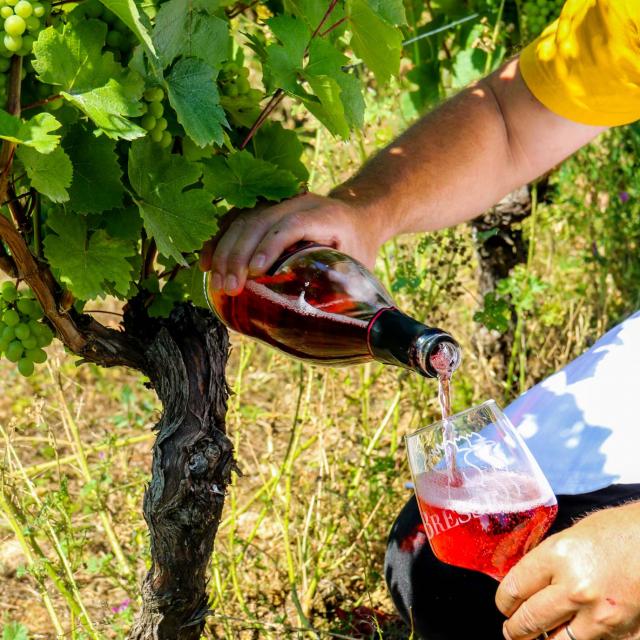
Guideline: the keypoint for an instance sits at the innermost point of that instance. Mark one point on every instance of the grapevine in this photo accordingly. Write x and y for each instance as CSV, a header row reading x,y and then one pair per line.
x,y
538,14
23,335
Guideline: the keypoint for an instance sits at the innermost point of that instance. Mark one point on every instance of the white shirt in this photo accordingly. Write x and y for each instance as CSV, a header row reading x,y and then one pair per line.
x,y
582,424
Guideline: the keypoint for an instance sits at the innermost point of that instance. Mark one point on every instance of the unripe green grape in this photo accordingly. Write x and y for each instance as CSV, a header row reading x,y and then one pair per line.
x,y
167,139
156,135
11,3
243,86
38,9
14,26
36,355
14,351
144,107
8,334
114,39
244,72
22,331
27,45
30,343
44,336
154,94
13,43
11,317
162,124
3,345
148,122
5,12
230,67
25,367
24,306
92,8
23,9
9,291
230,90
108,16
156,109
33,24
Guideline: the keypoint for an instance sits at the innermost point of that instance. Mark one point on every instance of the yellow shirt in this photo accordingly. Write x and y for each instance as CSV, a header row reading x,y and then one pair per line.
x,y
586,65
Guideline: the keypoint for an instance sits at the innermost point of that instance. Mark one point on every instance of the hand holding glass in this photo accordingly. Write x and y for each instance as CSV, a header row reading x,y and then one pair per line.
x,y
483,498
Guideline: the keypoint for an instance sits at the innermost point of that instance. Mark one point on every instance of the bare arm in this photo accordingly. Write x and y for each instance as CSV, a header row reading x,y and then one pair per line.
x,y
450,166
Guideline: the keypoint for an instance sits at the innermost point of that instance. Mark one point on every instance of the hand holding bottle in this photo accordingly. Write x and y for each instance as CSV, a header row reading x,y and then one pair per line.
x,y
250,241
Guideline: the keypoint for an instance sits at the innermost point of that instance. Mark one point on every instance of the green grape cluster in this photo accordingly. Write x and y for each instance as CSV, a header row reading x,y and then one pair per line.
x,y
22,334
22,21
120,39
539,13
153,120
234,80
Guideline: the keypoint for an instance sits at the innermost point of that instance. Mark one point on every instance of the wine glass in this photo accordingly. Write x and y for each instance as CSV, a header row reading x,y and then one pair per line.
x,y
483,499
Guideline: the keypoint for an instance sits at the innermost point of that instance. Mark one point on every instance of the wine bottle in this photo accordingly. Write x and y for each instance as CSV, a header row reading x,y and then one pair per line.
x,y
322,306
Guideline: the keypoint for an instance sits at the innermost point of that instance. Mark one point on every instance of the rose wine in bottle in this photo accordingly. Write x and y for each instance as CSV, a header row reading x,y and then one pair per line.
x,y
322,306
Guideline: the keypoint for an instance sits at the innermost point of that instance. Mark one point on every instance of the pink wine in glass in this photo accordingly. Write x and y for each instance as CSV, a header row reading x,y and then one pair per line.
x,y
488,523
322,306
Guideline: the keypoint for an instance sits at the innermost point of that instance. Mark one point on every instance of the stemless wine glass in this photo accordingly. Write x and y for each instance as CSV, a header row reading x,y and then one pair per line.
x,y
483,499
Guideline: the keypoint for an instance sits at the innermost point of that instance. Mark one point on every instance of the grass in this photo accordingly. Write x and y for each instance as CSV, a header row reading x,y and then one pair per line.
x,y
300,551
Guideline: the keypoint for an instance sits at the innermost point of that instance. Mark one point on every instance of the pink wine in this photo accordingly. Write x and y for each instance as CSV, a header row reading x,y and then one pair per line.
x,y
488,523
322,306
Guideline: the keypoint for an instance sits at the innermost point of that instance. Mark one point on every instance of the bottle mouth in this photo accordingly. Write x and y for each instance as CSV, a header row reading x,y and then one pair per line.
x,y
438,355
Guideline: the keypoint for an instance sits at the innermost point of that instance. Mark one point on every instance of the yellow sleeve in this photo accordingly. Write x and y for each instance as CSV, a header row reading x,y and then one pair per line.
x,y
586,65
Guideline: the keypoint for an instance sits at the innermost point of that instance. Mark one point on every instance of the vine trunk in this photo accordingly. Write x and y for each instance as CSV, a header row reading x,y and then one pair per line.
x,y
191,468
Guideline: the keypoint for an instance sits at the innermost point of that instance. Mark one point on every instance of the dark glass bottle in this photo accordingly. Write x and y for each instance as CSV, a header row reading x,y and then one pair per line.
x,y
320,305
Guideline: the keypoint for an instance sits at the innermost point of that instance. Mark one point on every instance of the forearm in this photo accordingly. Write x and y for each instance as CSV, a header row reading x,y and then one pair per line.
x,y
463,157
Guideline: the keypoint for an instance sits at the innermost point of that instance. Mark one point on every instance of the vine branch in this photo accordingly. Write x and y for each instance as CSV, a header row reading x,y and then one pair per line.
x,y
278,94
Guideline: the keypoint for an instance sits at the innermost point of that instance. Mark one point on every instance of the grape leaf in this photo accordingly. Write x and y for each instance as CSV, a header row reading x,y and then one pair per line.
x,y
136,20
35,133
123,223
314,13
241,179
391,10
325,59
97,175
87,262
280,146
179,219
192,281
377,42
71,57
194,96
190,29
284,61
327,107
50,173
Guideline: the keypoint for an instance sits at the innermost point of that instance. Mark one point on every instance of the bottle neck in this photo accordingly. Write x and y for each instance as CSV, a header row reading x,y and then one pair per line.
x,y
395,338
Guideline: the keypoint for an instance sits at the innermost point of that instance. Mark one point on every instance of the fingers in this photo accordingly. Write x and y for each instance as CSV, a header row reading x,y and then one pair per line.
x,y
532,574
206,253
254,240
544,610
230,257
583,628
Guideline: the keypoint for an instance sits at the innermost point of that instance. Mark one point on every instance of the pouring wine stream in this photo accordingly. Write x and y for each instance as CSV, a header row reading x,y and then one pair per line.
x,y
444,361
